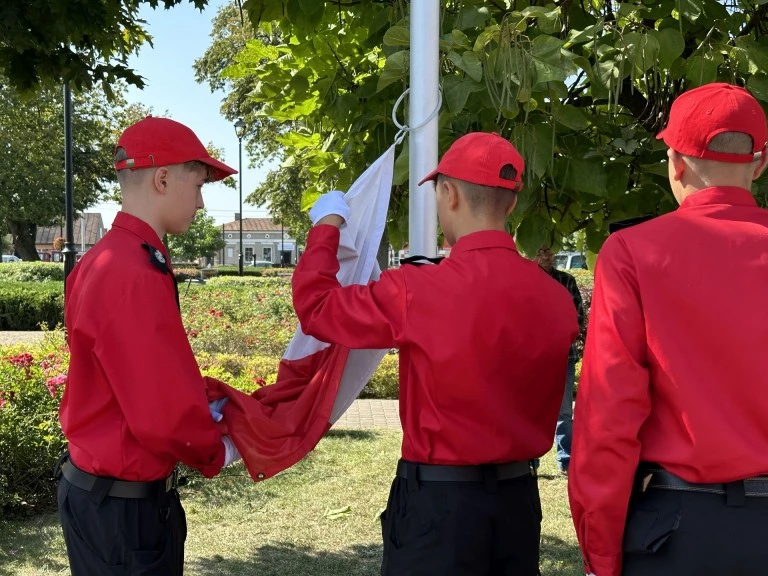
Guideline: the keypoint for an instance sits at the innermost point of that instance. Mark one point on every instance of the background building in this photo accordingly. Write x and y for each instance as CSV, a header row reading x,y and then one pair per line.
x,y
263,241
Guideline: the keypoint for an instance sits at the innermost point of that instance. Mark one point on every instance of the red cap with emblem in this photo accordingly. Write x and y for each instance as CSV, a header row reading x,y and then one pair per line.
x,y
163,142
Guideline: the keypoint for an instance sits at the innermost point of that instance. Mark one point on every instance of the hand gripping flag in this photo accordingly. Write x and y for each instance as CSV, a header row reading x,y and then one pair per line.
x,y
278,425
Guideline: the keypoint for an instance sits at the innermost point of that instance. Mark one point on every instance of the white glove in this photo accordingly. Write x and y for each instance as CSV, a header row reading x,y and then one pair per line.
x,y
230,451
331,203
216,407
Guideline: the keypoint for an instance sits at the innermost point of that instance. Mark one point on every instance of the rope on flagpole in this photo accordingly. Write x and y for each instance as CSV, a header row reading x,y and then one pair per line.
x,y
403,129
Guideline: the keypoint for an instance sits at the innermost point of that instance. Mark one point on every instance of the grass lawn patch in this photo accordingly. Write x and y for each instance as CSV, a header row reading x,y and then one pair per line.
x,y
318,518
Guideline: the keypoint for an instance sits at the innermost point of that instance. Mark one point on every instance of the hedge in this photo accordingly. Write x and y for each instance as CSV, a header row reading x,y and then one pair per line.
x,y
32,272
24,306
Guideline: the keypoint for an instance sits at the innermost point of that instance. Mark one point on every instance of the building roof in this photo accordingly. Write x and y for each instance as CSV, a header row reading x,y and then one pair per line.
x,y
94,230
253,225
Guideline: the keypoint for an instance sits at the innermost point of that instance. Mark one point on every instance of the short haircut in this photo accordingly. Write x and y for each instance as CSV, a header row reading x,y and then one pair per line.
x,y
126,175
731,143
488,200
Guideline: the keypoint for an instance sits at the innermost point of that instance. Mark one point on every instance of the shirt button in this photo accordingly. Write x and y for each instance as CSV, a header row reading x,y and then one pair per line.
x,y
260,476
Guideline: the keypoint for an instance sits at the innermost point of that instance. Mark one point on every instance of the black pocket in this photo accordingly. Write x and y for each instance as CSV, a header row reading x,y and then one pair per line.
x,y
650,524
152,562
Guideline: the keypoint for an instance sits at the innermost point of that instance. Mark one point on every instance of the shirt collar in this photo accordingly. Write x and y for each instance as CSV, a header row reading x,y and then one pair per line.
x,y
720,195
484,239
139,228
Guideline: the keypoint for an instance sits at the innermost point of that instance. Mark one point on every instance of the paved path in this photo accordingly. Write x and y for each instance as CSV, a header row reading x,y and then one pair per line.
x,y
371,414
362,414
7,338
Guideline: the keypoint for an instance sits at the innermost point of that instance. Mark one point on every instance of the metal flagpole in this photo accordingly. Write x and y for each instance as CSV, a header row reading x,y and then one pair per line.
x,y
422,143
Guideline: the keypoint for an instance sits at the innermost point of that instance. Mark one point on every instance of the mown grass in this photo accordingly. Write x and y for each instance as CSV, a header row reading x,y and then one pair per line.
x,y
319,518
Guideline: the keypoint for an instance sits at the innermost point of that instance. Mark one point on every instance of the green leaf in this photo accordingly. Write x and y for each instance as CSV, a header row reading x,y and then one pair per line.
x,y
456,91
690,9
309,197
581,36
338,513
306,15
569,116
397,36
587,176
395,69
472,17
469,62
400,176
617,180
547,59
535,144
534,11
595,239
758,85
642,49
671,45
700,71
756,54
533,231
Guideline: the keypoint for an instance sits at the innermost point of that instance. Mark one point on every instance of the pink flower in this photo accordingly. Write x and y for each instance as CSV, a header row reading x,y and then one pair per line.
x,y
24,360
55,383
260,381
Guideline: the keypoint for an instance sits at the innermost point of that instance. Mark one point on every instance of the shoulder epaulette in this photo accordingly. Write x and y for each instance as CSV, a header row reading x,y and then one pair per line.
x,y
421,260
157,259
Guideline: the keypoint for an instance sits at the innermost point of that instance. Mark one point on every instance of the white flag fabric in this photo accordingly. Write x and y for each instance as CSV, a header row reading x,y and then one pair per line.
x,y
278,425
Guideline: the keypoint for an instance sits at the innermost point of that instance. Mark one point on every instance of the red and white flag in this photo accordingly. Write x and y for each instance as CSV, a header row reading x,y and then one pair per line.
x,y
278,425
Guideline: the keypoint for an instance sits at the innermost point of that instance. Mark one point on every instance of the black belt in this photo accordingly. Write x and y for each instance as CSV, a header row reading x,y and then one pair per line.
x,y
119,488
438,473
663,480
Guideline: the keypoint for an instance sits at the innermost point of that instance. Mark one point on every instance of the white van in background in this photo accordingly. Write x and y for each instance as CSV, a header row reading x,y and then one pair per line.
x,y
570,261
10,258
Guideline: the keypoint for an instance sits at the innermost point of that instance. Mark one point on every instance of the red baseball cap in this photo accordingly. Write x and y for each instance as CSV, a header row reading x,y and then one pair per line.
x,y
162,142
700,114
478,157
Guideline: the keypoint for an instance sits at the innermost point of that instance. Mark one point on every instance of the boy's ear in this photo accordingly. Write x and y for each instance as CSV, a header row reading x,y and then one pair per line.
x,y
453,192
160,179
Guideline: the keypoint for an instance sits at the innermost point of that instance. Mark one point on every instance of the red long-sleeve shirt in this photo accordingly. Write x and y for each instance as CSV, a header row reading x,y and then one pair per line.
x,y
675,369
135,403
483,337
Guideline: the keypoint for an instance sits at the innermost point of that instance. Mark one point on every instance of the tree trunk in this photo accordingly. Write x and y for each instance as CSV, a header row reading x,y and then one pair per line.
x,y
24,234
382,256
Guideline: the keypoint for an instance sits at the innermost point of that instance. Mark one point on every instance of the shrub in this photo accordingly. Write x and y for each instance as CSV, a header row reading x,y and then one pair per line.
x,y
31,384
244,373
385,382
257,282
185,274
24,306
235,271
32,272
584,278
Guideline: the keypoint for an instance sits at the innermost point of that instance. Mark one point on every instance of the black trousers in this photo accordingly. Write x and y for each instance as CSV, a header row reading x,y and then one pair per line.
x,y
107,536
490,528
696,534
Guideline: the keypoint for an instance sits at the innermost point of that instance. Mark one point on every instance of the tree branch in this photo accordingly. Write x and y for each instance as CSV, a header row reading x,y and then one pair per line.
x,y
755,21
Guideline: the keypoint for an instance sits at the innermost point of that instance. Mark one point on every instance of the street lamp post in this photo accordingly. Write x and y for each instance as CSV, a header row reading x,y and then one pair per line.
x,y
69,252
240,131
